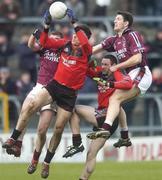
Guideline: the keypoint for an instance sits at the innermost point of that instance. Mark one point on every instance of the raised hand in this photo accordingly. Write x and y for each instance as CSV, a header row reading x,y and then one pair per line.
x,y
37,33
71,15
47,18
113,68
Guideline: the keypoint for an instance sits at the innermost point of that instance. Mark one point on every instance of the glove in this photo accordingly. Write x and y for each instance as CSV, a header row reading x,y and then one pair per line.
x,y
110,84
37,33
71,15
100,81
47,18
93,63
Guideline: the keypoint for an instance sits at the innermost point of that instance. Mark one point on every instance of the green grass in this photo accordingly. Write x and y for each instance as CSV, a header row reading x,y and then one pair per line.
x,y
104,171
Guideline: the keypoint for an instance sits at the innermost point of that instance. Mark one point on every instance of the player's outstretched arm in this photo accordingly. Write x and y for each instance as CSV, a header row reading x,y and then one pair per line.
x,y
132,61
121,81
47,42
82,31
96,49
32,42
47,20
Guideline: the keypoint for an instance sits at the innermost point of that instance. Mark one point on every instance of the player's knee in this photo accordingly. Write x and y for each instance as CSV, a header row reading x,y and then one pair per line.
x,y
90,155
59,129
90,170
115,98
32,105
25,112
41,132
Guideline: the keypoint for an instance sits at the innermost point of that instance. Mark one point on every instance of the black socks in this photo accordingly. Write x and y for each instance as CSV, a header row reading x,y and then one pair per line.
x,y
77,140
48,157
15,134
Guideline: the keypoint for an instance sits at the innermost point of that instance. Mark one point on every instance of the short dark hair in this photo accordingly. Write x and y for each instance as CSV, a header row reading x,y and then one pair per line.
x,y
86,30
57,33
111,57
127,16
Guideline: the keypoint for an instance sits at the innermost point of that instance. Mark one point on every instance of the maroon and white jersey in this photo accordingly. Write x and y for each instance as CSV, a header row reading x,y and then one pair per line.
x,y
48,65
129,44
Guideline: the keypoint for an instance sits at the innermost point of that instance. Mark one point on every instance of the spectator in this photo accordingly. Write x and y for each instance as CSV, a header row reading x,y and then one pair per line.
x,y
7,85
11,10
155,55
43,7
66,32
27,58
30,7
24,85
6,50
101,7
157,80
77,6
158,7
145,7
156,87
127,5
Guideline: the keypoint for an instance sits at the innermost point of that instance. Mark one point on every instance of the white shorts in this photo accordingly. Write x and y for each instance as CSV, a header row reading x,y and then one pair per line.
x,y
35,91
146,80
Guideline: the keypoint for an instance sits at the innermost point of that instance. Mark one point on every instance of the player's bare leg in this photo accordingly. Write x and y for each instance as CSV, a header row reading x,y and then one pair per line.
x,y
41,99
75,123
77,145
124,139
88,114
122,119
44,122
27,111
62,118
89,166
118,97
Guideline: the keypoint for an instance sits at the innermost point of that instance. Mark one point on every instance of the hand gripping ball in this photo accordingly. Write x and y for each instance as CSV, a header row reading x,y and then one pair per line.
x,y
58,10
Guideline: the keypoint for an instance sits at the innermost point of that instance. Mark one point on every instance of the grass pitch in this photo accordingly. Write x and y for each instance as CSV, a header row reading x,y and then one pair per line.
x,y
104,171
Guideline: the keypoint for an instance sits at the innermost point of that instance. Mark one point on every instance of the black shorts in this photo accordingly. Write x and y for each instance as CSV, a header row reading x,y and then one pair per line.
x,y
65,97
101,116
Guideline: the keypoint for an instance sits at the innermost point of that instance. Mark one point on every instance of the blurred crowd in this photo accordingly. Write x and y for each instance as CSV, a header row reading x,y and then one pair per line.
x,y
18,64
12,9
